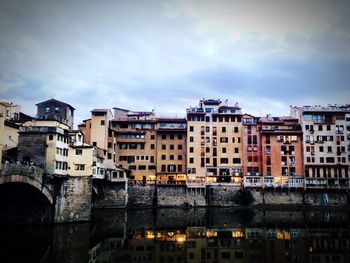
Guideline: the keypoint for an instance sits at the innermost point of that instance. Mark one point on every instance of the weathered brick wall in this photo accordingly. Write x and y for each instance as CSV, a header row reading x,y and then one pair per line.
x,y
221,195
283,197
109,195
141,195
73,199
32,147
331,198
180,195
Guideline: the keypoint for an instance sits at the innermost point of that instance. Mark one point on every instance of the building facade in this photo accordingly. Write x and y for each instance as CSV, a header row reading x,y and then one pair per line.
x,y
325,143
214,143
56,110
171,151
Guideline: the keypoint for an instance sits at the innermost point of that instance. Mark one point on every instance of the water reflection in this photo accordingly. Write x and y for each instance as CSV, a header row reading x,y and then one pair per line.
x,y
193,235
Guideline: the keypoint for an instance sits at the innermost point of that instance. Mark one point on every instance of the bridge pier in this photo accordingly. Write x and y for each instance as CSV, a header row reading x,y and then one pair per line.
x,y
73,199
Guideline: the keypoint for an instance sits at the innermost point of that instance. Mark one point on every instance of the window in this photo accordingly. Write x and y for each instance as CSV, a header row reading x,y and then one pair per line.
x,y
163,157
51,137
142,167
152,159
179,157
236,150
179,147
163,169
235,129
223,160
223,150
191,149
179,168
179,137
320,128
191,160
223,129
152,136
133,146
163,136
223,139
191,138
78,152
191,128
172,137
94,143
152,146
80,167
329,159
171,146
47,109
236,160
102,122
171,157
163,147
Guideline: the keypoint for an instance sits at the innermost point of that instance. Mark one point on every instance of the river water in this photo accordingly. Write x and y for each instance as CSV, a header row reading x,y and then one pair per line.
x,y
192,235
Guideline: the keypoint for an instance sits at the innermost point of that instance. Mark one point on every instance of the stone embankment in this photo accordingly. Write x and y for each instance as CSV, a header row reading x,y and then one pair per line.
x,y
226,196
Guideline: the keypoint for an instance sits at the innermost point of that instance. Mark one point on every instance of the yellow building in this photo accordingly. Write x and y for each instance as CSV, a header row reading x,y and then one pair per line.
x,y
136,147
214,143
81,156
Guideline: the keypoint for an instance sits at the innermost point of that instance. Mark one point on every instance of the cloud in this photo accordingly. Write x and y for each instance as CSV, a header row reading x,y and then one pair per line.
x,y
166,55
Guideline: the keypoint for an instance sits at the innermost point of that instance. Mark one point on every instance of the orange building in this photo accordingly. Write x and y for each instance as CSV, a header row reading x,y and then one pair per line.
x,y
252,152
282,152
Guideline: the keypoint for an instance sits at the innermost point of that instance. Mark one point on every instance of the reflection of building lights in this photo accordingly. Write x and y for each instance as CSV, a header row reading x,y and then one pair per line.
x,y
170,234
211,234
237,234
283,235
150,235
310,249
180,238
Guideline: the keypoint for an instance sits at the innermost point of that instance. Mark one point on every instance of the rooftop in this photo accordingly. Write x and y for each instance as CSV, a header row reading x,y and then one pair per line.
x,y
55,101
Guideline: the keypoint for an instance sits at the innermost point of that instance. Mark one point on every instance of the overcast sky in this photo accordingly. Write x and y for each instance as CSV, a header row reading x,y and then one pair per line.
x,y
166,55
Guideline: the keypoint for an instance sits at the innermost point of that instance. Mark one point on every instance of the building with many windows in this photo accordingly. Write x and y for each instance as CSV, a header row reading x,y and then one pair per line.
x,y
136,144
325,145
281,152
214,143
171,151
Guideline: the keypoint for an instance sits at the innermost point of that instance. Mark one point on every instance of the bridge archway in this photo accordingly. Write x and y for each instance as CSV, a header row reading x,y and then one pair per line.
x,y
24,199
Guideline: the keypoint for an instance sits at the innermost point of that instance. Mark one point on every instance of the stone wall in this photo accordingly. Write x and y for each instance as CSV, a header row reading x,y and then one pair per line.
x,y
32,147
282,197
141,195
73,199
109,194
221,195
180,195
322,198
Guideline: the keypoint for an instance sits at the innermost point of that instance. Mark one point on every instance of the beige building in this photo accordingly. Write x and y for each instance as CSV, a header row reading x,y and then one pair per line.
x,y
136,146
171,151
214,143
81,156
325,145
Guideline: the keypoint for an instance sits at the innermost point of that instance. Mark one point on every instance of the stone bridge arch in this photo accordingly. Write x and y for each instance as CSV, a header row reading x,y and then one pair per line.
x,y
29,180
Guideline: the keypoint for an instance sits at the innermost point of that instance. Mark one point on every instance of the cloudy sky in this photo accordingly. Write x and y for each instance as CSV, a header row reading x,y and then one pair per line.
x,y
166,55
